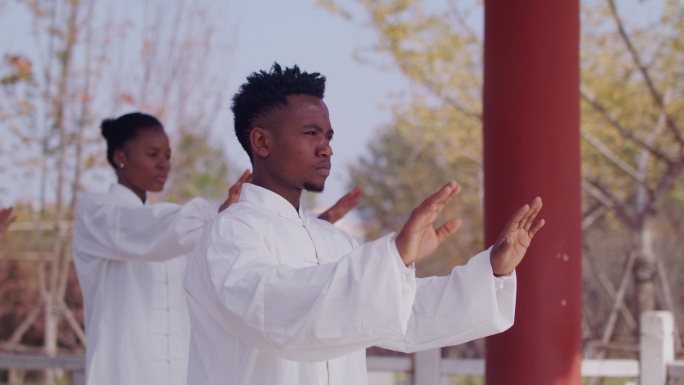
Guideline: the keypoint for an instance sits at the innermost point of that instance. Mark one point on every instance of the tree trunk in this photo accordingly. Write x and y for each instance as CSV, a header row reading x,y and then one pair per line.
x,y
644,270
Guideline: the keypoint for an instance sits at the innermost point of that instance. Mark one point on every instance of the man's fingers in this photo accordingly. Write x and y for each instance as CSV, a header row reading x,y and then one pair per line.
x,y
535,206
427,212
536,226
514,223
442,196
447,229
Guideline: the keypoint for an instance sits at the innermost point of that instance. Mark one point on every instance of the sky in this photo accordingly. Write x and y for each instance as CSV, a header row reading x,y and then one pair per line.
x,y
292,32
289,32
297,32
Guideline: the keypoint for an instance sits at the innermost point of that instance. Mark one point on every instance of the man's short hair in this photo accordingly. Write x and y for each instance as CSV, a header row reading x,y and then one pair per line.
x,y
266,91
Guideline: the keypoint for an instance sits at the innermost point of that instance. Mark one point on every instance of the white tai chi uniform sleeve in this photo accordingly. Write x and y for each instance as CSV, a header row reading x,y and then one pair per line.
x,y
116,230
457,308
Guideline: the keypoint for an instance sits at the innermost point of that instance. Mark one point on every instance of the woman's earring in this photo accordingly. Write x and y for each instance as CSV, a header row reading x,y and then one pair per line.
x,y
121,165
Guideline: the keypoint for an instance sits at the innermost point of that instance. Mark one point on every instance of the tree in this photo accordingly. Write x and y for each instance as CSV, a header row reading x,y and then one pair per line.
x,y
49,109
53,95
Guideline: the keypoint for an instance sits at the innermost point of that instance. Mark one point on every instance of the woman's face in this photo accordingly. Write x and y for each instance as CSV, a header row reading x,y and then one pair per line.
x,y
146,162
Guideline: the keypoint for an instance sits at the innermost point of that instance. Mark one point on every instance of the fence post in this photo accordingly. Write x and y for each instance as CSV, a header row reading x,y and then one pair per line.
x,y
657,346
78,378
427,369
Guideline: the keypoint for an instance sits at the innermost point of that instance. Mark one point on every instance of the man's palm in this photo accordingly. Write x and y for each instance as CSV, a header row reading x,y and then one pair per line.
x,y
418,238
516,237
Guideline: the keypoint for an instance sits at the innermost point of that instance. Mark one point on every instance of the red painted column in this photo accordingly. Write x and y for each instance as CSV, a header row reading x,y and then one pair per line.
x,y
531,148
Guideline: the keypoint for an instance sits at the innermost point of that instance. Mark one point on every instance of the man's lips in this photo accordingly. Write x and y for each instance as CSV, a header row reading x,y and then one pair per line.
x,y
324,168
161,178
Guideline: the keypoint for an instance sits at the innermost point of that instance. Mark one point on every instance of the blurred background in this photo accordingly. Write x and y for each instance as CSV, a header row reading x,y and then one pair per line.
x,y
405,95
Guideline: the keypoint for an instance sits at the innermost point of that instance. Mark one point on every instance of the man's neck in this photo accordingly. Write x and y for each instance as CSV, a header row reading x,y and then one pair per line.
x,y
292,195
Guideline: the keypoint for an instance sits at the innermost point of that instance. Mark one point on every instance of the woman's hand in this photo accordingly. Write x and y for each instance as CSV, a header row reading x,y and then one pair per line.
x,y
343,206
6,220
236,189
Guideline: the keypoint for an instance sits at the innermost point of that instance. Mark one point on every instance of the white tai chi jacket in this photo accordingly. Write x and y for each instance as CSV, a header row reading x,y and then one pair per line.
x,y
130,259
278,298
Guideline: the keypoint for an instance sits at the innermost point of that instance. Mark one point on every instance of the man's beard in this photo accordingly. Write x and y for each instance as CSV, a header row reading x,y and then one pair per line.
x,y
314,188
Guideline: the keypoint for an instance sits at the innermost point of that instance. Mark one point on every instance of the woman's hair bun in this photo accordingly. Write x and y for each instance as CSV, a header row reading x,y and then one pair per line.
x,y
106,127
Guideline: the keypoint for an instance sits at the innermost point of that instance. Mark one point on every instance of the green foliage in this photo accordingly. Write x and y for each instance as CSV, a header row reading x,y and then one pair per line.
x,y
199,168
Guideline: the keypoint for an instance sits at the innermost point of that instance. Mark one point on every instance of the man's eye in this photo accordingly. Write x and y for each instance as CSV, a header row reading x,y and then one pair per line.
x,y
311,133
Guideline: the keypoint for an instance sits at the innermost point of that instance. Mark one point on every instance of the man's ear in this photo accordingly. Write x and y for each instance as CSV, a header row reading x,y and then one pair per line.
x,y
260,140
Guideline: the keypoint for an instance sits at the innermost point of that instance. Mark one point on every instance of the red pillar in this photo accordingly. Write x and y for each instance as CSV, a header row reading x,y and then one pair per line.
x,y
531,148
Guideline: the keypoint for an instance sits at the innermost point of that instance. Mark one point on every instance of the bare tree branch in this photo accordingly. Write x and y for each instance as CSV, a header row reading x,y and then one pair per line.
x,y
450,101
610,290
619,301
657,97
588,97
594,215
605,151
603,195
619,298
666,182
461,20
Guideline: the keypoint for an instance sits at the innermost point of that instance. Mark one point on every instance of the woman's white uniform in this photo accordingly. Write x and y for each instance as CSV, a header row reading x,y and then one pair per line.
x,y
130,259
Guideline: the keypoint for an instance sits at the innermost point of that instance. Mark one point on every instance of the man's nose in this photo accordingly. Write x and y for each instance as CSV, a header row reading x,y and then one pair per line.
x,y
325,149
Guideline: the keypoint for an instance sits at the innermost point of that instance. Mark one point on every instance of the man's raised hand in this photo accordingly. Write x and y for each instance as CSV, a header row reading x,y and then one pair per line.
x,y
514,240
418,238
343,206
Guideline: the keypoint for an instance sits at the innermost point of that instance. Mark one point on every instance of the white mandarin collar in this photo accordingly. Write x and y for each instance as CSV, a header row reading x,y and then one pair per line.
x,y
124,193
270,201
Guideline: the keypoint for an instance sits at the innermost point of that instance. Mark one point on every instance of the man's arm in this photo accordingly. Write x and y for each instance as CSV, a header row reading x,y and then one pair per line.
x,y
239,288
476,300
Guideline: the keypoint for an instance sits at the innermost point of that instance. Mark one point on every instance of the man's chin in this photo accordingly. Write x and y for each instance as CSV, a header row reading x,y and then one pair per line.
x,y
314,187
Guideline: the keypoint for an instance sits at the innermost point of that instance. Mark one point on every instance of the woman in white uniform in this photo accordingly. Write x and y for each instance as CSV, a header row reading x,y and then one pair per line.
x,y
130,259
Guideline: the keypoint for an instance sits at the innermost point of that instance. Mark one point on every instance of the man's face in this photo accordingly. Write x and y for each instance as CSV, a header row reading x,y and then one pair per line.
x,y
301,155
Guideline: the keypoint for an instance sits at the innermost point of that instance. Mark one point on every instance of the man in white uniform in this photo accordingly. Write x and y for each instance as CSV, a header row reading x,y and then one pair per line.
x,y
279,298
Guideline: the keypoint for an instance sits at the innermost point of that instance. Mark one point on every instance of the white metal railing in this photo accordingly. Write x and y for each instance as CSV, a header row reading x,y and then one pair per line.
x,y
657,366
73,364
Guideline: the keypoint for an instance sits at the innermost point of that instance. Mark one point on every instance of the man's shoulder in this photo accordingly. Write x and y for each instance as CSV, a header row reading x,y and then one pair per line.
x,y
246,213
